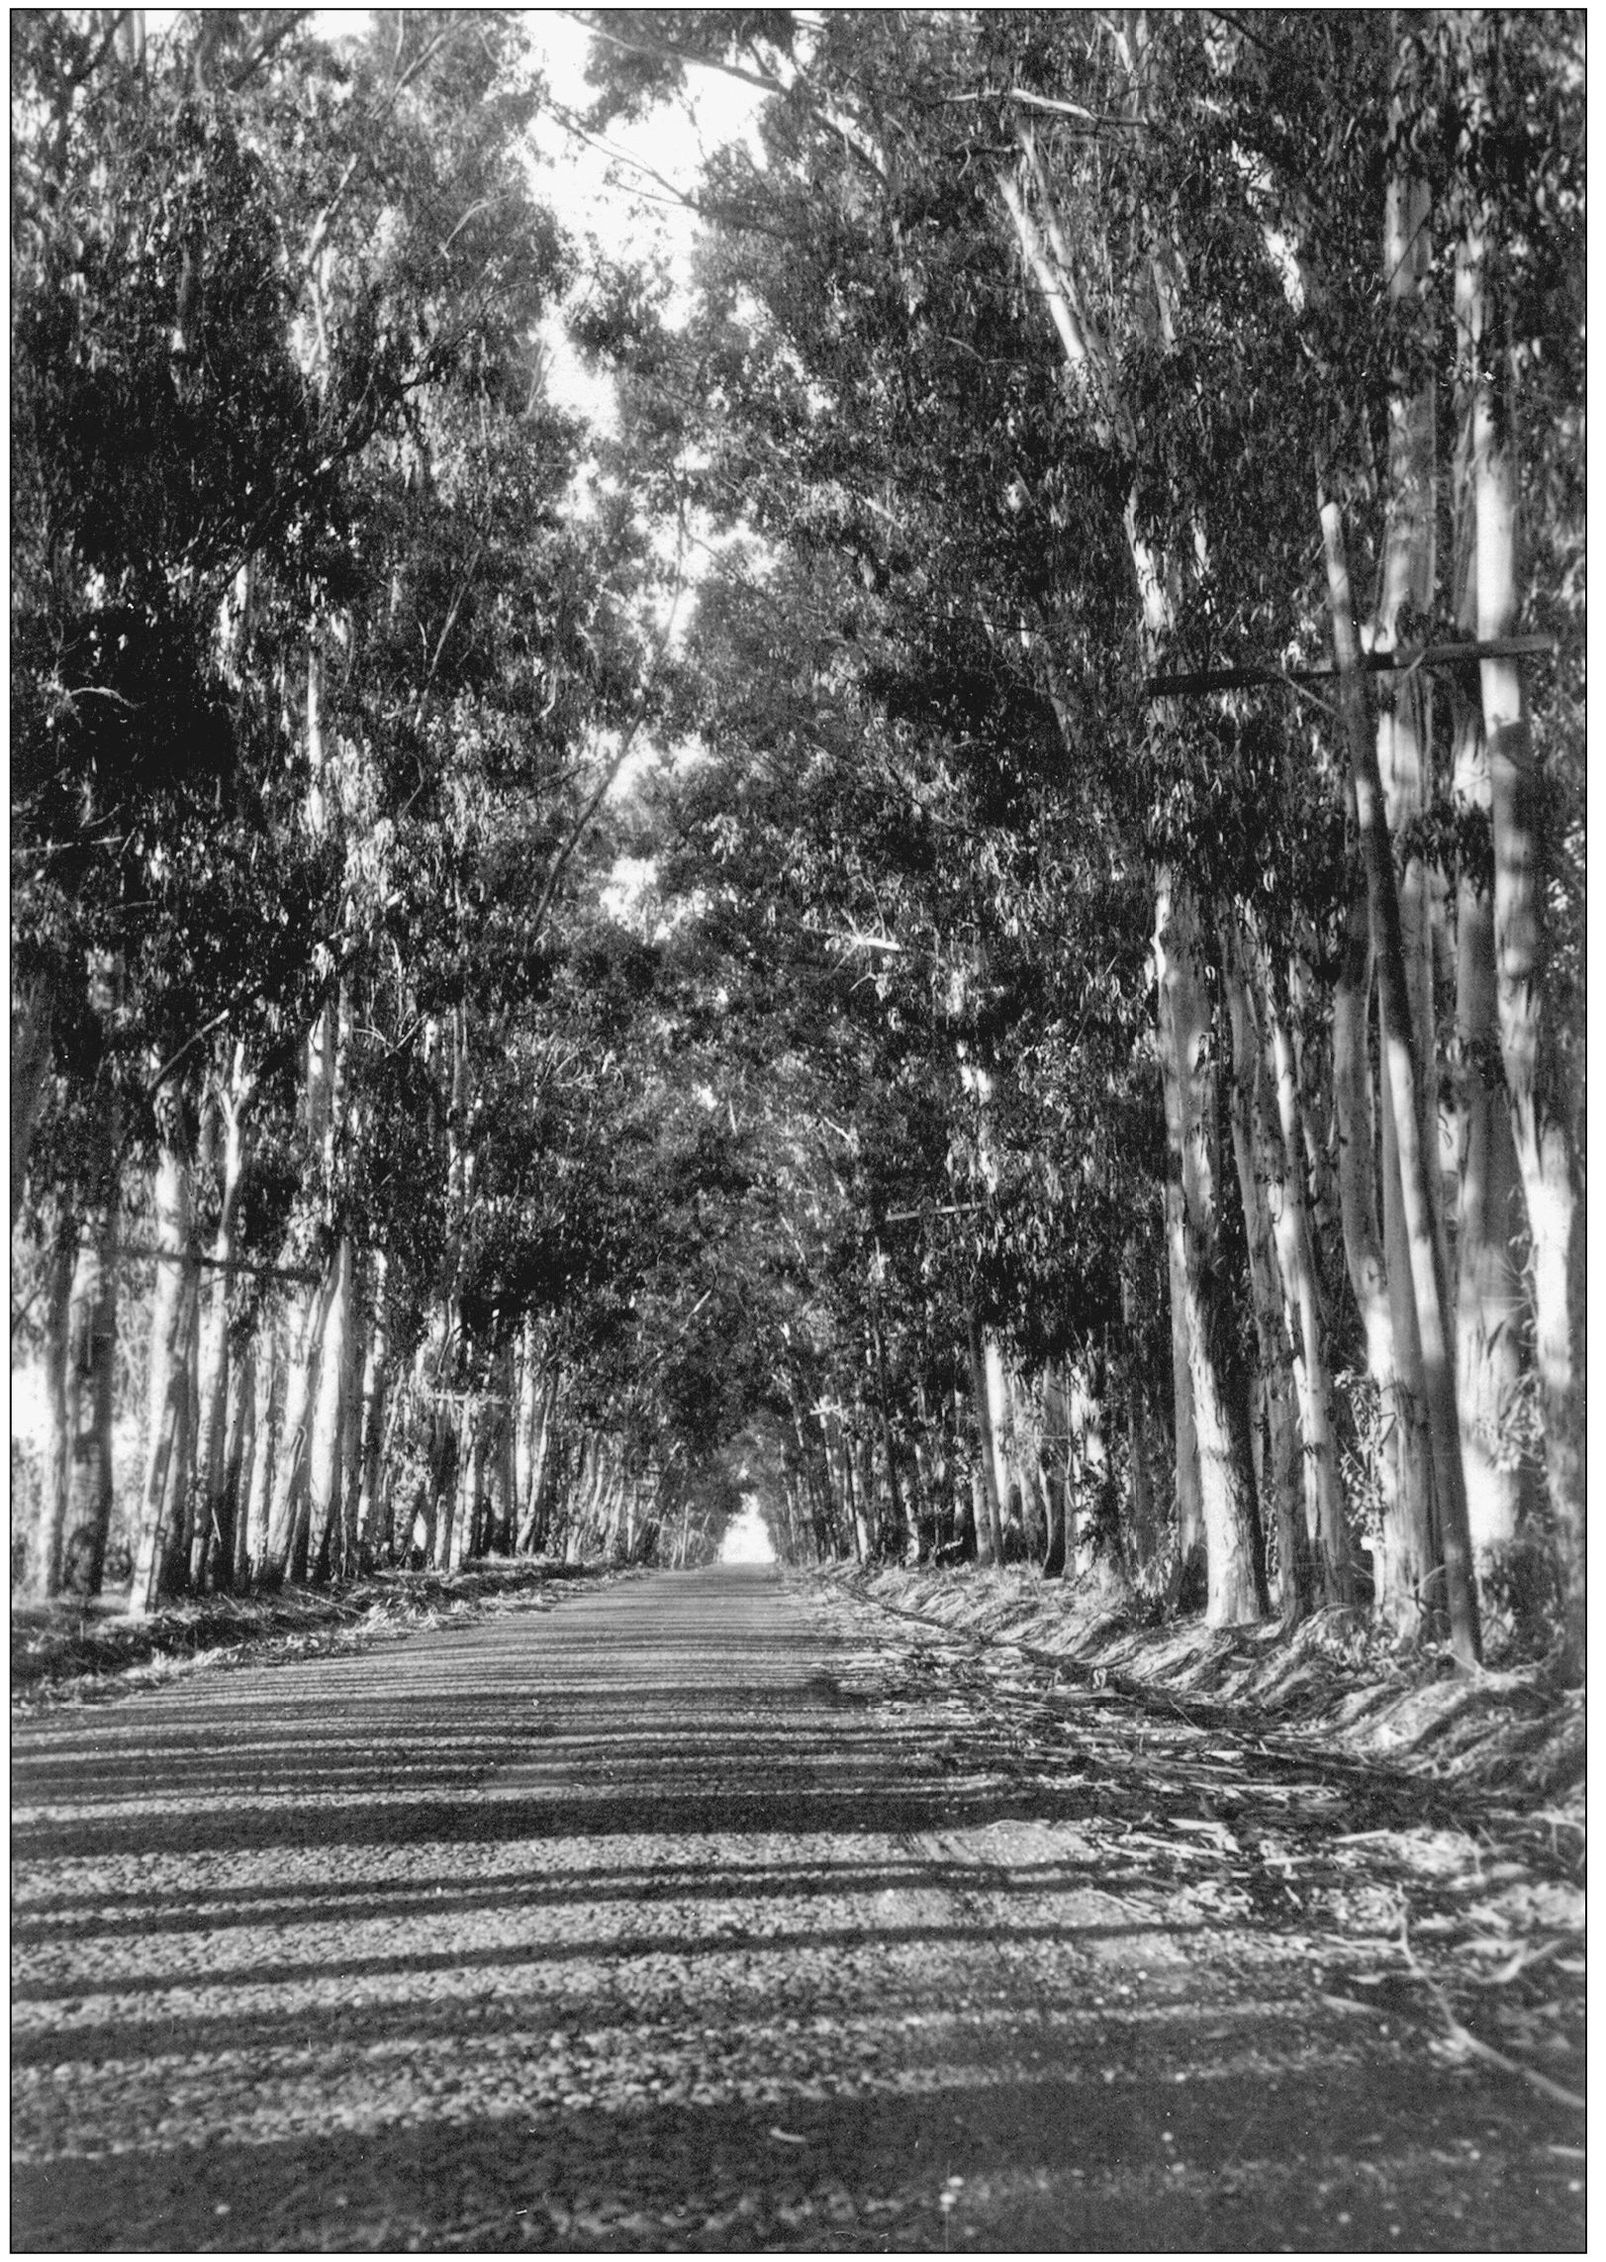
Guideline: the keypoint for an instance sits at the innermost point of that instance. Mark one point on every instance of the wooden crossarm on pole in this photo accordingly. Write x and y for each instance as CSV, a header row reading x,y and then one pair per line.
x,y
1206,680
213,1264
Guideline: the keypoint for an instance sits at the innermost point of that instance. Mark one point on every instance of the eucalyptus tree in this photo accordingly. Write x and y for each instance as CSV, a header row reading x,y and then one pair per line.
x,y
162,436
1007,957
887,330
1218,289
290,501
1515,194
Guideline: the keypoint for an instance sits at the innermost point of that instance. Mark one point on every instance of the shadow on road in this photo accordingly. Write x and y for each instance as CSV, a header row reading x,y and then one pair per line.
x,y
648,1924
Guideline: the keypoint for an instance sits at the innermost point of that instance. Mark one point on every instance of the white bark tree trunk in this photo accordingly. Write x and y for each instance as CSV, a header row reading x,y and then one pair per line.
x,y
1055,1463
286,1512
372,1527
238,1449
161,1556
1261,1189
1406,1111
326,1431
1332,1571
91,1364
1491,1293
256,1508
989,1512
212,1541
56,1473
1541,1113
92,1320
1233,1576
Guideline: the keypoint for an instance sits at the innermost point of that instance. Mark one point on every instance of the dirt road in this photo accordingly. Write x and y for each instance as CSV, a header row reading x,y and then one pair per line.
x,y
682,1917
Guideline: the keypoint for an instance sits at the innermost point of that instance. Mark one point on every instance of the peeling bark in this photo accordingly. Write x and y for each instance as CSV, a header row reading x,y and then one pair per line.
x,y
1404,1083
1234,1590
1536,1084
1281,1476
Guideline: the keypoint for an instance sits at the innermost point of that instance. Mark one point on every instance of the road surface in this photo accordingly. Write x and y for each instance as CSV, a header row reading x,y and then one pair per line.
x,y
682,1916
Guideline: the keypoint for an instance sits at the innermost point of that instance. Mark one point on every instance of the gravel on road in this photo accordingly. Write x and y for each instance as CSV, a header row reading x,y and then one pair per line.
x,y
685,1916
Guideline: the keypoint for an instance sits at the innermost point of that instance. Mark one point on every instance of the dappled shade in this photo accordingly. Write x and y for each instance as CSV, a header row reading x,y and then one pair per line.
x,y
672,1918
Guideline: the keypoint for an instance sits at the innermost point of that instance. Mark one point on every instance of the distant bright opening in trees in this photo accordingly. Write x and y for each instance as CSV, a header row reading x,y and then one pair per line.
x,y
747,1538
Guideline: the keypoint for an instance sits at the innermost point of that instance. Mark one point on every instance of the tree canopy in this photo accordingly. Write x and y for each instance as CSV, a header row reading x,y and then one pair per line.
x,y
748,951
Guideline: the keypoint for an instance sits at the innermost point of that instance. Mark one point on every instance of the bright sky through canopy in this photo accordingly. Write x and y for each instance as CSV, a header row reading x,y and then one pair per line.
x,y
619,187
747,1538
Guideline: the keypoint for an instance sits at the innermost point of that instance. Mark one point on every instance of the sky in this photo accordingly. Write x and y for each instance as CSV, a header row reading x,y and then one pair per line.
x,y
747,1538
600,191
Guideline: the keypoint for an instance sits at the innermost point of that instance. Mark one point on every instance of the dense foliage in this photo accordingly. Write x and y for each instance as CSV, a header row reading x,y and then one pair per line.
x,y
980,1088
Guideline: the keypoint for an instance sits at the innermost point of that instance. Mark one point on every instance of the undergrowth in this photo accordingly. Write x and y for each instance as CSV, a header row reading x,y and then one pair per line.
x,y
69,1651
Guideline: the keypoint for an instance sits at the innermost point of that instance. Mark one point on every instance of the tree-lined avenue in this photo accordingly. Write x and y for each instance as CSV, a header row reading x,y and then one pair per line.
x,y
644,882
909,886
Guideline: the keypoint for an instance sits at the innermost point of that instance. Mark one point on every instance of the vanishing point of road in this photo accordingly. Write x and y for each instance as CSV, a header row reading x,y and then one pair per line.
x,y
676,1917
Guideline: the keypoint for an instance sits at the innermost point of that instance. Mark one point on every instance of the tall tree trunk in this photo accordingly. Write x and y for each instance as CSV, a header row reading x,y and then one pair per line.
x,y
989,1516
1406,598
1313,1099
161,1559
1403,1558
1491,1301
924,1504
330,1389
987,1361
56,1474
304,1334
471,1462
312,1399
1141,1518
1055,1464
1415,1569
544,1394
213,1538
526,1414
904,1525
1259,1173
1404,1081
90,1383
372,1535
1332,1568
92,1315
1001,1437
871,1549
1208,1432
1189,1482
1542,1112
1145,1532
1026,1425
504,1473
444,1481
969,1513
1233,1589
326,1433
238,1446
1090,1467
852,1499
1491,1296
31,1015
257,1510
